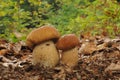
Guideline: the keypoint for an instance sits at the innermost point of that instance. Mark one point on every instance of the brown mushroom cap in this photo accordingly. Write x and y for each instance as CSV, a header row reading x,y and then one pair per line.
x,y
67,41
41,34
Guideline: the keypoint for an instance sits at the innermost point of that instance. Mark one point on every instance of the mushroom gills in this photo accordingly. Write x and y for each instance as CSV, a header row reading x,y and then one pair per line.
x,y
70,57
45,54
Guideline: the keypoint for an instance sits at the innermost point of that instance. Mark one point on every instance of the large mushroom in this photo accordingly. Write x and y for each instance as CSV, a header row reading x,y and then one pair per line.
x,y
42,40
69,46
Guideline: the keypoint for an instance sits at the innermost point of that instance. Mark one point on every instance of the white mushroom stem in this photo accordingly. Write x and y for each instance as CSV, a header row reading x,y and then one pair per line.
x,y
70,57
45,54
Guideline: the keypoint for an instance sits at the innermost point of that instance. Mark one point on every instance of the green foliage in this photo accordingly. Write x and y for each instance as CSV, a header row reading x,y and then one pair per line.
x,y
68,16
88,15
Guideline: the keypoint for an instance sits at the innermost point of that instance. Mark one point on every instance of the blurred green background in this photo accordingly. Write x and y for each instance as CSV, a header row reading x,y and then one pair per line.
x,y
19,17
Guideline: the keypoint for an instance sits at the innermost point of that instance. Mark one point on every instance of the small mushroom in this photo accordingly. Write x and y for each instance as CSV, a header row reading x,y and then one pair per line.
x,y
69,46
42,40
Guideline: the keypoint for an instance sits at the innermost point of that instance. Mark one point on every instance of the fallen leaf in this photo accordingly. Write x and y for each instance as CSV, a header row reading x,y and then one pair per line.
x,y
113,67
87,48
16,48
18,34
3,51
3,41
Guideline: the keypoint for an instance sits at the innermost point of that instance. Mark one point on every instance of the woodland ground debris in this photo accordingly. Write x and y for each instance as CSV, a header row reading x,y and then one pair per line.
x,y
103,63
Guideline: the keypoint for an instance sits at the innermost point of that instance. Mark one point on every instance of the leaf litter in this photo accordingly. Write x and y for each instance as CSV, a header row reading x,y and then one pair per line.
x,y
99,59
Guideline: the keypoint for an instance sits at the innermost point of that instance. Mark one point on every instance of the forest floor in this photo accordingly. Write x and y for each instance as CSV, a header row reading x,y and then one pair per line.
x,y
99,59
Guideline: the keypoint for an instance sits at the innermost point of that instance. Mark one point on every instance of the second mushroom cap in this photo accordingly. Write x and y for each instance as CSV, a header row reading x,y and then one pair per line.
x,y
67,42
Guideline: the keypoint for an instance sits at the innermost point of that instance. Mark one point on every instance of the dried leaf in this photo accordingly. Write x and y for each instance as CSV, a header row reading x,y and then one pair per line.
x,y
18,34
4,51
2,41
113,67
88,48
16,48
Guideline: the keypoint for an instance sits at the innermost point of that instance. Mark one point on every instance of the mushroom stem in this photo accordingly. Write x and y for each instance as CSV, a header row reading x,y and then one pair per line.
x,y
45,54
70,57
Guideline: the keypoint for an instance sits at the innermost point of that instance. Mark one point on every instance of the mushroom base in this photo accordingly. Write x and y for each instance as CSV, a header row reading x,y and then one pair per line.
x,y
45,55
70,57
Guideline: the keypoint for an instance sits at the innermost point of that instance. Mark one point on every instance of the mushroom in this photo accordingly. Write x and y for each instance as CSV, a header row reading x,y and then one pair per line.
x,y
42,40
69,46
